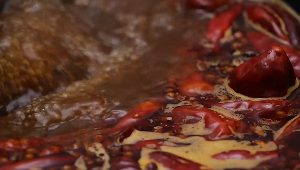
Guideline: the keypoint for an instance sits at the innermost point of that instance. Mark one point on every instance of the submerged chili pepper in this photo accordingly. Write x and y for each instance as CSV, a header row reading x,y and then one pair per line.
x,y
171,161
148,143
137,114
195,85
219,124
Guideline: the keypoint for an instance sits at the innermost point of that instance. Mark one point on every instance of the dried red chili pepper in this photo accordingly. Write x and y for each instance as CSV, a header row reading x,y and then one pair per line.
x,y
291,24
195,85
42,162
225,126
254,105
272,110
124,162
266,42
219,25
258,77
288,129
23,143
137,114
51,150
148,143
261,16
172,161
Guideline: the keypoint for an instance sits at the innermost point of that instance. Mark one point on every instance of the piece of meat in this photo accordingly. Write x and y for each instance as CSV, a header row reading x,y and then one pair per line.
x,y
123,56
43,48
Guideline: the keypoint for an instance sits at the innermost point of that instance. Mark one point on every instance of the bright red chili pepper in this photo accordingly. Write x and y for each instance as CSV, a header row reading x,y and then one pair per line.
x,y
219,25
195,85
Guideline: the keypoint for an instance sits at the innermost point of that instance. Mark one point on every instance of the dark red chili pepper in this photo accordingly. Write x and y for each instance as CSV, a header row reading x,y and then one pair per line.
x,y
51,150
291,24
42,162
154,144
220,125
194,85
262,42
274,110
172,161
253,105
219,25
23,143
137,114
148,144
290,127
258,77
258,109
123,163
260,15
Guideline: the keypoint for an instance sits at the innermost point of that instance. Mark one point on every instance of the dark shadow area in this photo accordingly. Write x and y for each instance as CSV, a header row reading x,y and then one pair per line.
x,y
294,4
2,3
